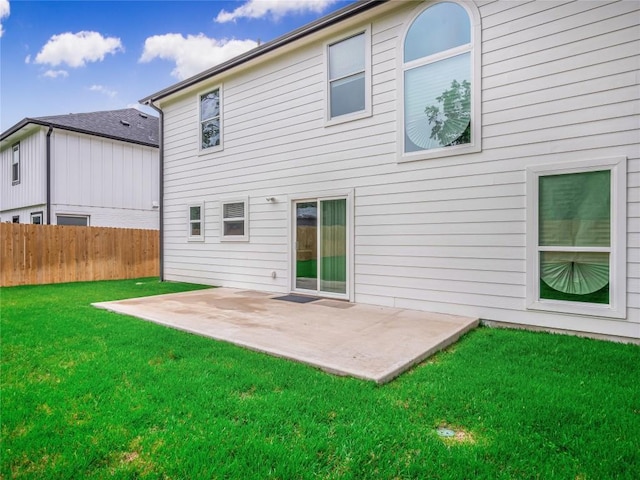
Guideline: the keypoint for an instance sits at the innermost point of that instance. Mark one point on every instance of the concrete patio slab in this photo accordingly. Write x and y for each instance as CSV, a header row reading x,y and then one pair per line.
x,y
363,341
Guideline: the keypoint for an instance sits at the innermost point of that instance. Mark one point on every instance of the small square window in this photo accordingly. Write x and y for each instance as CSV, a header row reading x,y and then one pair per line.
x,y
196,222
36,218
235,220
15,219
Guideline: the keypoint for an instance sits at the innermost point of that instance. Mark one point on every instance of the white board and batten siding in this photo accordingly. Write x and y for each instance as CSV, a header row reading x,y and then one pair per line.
x,y
24,214
115,182
559,83
29,194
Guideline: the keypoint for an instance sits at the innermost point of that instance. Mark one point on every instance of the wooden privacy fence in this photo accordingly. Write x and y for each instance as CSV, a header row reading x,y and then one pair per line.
x,y
334,241
40,254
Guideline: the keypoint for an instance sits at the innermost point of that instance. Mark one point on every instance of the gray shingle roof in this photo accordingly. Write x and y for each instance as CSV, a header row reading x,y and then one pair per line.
x,y
129,125
126,124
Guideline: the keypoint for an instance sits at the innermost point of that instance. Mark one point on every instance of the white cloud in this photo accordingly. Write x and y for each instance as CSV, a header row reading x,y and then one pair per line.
x,y
137,106
275,9
192,54
76,49
5,10
27,59
56,73
143,109
104,90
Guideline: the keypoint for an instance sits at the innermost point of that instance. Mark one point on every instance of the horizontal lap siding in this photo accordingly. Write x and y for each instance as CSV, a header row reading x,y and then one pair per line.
x,y
445,234
561,83
275,144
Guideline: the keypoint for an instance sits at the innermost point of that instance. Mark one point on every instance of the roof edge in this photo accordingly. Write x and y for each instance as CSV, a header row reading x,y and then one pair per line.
x,y
27,121
315,26
19,126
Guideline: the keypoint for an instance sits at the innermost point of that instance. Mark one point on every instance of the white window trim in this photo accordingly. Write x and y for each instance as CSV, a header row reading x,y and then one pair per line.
x,y
74,215
15,148
235,238
476,86
220,147
291,220
195,238
37,214
349,117
617,307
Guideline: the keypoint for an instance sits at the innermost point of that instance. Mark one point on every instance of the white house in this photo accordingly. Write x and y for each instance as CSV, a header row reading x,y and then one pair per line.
x,y
473,158
98,169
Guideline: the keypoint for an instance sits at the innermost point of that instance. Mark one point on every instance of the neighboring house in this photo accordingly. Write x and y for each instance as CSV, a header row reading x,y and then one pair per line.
x,y
98,169
473,158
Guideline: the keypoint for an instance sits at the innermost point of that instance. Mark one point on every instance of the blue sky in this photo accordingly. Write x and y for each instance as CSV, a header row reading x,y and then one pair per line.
x,y
59,57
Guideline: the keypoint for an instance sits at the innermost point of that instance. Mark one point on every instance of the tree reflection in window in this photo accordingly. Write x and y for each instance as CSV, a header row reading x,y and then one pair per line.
x,y
450,121
210,119
437,79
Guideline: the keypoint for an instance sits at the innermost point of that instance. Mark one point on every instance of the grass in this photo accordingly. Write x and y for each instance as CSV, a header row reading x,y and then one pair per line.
x,y
87,393
333,268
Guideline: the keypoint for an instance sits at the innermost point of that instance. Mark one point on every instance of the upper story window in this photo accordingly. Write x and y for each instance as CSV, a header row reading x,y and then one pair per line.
x,y
440,110
210,119
348,63
15,165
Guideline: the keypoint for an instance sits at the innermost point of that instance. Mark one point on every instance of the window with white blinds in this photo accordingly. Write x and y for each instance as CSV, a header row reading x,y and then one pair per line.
x,y
234,220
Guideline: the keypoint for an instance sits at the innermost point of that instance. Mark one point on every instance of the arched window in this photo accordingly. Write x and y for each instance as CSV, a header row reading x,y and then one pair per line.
x,y
438,75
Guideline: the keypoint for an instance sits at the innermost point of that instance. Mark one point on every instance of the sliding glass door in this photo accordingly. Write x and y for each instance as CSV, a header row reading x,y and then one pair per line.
x,y
306,243
321,246
333,246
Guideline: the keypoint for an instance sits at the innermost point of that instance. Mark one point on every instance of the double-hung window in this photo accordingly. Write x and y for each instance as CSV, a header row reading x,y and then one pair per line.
x,y
15,164
196,222
440,101
348,64
234,221
576,244
210,104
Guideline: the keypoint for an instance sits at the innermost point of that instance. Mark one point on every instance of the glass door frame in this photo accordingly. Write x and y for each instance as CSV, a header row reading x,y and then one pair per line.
x,y
320,197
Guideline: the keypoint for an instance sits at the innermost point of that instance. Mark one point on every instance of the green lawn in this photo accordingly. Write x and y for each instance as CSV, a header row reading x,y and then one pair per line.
x,y
333,268
87,393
